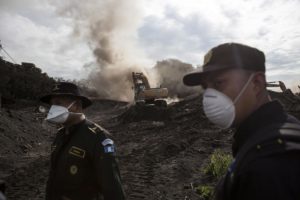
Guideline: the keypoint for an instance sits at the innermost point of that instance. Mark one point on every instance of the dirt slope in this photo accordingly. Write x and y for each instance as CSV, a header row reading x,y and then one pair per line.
x,y
162,159
24,141
161,152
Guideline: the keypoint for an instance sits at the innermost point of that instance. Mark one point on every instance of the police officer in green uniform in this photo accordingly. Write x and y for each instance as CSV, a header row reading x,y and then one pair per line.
x,y
266,144
83,158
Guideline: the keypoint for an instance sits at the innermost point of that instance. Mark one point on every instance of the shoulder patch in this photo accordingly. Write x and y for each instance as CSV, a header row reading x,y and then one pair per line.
x,y
109,149
108,145
107,142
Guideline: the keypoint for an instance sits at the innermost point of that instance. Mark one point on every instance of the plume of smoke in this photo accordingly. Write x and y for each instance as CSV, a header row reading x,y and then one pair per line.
x,y
170,73
110,27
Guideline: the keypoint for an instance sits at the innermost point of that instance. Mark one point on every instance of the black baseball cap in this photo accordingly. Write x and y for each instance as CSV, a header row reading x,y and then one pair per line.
x,y
66,89
228,56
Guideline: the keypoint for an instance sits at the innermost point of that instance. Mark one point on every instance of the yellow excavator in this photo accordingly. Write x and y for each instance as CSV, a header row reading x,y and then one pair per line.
x,y
289,100
144,94
279,84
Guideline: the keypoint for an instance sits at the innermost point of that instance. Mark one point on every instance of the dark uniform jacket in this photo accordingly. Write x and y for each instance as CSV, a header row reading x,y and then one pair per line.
x,y
83,165
267,158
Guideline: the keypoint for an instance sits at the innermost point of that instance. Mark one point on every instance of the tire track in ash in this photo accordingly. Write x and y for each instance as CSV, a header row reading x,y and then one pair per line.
x,y
28,182
140,178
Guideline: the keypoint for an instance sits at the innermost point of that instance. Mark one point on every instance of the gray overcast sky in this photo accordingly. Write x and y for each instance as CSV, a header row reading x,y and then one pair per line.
x,y
34,31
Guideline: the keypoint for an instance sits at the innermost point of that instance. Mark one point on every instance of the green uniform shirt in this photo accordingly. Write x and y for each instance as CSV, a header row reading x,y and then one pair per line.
x,y
83,165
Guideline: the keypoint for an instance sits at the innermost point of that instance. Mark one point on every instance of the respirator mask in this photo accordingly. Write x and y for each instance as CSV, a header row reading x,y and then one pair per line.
x,y
219,108
59,114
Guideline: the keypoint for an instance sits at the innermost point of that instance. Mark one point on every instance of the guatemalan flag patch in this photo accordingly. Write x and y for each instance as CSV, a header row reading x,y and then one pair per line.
x,y
109,149
108,146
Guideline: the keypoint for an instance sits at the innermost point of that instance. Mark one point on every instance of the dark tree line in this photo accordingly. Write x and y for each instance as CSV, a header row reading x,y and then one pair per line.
x,y
24,81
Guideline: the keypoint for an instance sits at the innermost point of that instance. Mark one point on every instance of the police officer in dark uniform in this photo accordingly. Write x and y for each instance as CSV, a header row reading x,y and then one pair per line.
x,y
83,158
266,146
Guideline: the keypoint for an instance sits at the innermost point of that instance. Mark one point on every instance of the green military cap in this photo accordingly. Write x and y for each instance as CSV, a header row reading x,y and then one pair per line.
x,y
228,56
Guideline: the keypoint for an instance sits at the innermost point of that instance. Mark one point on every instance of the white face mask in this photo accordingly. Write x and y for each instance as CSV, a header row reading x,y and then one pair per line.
x,y
59,114
219,108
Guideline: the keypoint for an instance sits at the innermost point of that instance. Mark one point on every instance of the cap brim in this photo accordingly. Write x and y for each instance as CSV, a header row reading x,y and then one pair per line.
x,y
198,78
194,79
86,102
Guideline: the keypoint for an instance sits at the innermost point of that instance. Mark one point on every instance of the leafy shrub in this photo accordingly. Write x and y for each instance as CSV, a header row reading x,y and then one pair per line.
x,y
218,163
217,166
205,192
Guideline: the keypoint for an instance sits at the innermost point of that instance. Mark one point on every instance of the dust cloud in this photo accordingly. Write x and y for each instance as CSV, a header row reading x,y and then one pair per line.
x,y
110,28
170,73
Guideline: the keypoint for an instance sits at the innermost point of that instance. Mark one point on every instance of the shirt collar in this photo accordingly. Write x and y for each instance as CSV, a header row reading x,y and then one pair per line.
x,y
267,114
76,126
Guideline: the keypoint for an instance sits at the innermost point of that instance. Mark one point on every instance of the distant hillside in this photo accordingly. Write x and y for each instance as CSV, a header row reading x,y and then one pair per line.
x,y
25,81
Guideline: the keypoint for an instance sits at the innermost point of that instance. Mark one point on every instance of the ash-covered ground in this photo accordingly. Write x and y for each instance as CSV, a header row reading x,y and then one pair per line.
x,y
161,152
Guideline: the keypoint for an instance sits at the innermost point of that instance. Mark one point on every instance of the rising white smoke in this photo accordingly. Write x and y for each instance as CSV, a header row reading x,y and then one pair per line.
x,y
170,73
110,28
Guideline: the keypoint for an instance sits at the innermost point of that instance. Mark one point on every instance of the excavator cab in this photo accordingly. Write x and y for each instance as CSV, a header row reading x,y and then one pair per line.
x,y
144,94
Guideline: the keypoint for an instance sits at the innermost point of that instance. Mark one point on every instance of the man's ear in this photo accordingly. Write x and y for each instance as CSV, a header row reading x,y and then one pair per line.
x,y
259,81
